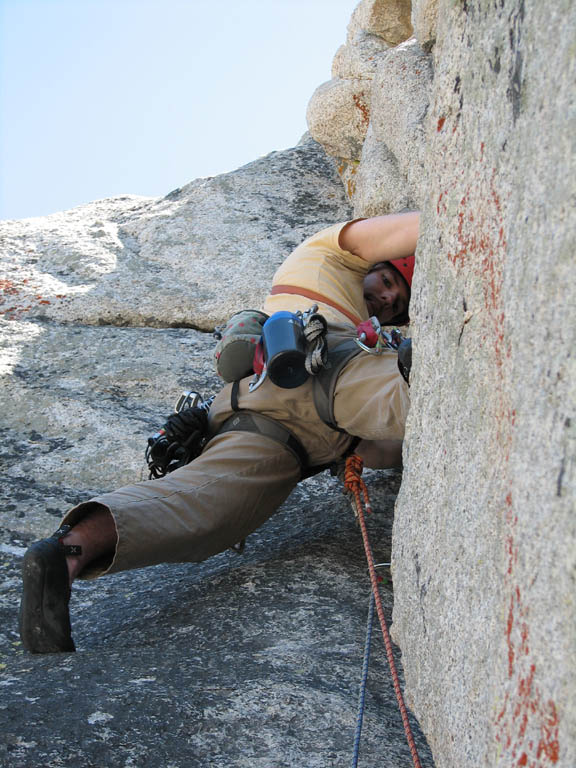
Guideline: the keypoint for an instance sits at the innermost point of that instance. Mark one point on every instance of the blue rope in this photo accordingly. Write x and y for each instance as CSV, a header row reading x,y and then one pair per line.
x,y
362,694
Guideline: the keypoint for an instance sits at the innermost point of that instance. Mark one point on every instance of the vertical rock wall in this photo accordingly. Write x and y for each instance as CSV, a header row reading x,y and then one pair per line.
x,y
484,561
474,122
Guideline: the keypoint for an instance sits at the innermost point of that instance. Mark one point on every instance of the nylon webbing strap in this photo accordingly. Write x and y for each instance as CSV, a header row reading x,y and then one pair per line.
x,y
234,396
314,296
324,383
250,421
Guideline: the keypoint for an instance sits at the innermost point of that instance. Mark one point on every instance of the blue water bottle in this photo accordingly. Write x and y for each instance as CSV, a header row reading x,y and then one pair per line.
x,y
285,350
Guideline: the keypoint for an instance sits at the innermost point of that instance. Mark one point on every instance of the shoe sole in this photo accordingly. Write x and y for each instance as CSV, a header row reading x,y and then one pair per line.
x,y
44,620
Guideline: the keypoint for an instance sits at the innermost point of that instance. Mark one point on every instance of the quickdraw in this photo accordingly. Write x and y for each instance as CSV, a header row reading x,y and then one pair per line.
x,y
372,338
182,437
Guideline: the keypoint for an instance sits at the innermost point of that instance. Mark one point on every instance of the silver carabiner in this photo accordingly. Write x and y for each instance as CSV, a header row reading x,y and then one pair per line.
x,y
257,380
377,350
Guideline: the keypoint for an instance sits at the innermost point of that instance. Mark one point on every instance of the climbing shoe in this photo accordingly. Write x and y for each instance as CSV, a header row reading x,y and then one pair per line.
x,y
405,359
44,619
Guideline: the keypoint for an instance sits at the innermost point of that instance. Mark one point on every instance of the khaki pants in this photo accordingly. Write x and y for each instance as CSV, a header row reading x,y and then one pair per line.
x,y
241,478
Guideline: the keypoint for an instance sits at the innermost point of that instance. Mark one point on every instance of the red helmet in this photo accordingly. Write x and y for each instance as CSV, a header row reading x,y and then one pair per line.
x,y
406,268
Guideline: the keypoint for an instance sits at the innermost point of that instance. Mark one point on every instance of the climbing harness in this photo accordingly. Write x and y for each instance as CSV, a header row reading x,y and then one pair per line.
x,y
356,487
251,421
288,347
245,420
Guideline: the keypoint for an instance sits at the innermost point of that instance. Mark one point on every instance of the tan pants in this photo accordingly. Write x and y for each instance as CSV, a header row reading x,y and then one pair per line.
x,y
241,478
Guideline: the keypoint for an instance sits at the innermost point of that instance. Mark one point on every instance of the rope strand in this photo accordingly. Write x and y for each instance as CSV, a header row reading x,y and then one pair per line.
x,y
315,334
354,483
362,694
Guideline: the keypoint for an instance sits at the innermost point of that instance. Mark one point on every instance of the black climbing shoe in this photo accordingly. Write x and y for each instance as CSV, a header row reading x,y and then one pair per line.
x,y
405,359
44,618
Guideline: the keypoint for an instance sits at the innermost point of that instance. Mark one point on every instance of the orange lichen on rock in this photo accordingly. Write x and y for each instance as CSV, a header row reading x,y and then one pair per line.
x,y
363,107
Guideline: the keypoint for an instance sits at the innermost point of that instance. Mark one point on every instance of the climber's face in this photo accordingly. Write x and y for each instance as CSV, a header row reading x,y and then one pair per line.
x,y
387,295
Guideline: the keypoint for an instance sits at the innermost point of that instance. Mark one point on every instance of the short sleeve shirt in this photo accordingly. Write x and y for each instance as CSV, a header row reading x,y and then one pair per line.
x,y
320,265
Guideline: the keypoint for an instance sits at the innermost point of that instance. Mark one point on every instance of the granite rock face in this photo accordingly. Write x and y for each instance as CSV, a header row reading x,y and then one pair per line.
x,y
390,175
473,122
424,21
189,259
484,539
338,112
379,184
338,116
388,19
370,116
400,99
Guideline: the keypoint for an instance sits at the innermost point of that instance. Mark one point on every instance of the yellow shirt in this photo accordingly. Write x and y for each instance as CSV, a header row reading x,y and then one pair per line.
x,y
320,265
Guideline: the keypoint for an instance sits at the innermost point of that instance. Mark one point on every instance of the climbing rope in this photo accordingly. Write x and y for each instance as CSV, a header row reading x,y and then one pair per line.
x,y
362,694
315,334
356,486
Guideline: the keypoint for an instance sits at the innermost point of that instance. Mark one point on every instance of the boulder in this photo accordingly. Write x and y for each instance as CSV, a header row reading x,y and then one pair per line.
x,y
338,115
388,19
380,186
359,61
381,168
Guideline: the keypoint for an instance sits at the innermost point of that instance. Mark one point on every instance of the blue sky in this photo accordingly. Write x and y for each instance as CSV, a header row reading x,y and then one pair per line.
x,y
102,97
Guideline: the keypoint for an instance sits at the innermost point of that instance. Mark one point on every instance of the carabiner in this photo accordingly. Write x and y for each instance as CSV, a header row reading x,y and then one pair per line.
x,y
257,380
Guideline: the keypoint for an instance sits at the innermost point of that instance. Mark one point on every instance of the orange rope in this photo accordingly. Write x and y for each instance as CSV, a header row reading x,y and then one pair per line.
x,y
354,483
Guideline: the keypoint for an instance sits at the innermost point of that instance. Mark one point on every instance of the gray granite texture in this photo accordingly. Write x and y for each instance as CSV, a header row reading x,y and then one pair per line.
x,y
484,556
189,259
424,22
339,111
370,116
249,660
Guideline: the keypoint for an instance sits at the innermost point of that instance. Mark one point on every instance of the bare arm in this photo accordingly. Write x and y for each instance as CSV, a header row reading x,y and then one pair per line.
x,y
382,238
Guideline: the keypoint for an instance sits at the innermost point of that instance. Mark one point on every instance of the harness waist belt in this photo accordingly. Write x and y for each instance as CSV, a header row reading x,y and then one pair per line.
x,y
250,421
324,383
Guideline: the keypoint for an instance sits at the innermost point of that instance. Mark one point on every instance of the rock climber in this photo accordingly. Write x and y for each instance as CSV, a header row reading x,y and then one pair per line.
x,y
352,271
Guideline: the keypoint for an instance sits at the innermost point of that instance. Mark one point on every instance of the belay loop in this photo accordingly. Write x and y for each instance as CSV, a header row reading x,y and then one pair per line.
x,y
356,487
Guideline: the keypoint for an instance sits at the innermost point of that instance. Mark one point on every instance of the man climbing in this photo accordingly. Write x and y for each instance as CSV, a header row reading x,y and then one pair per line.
x,y
249,466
